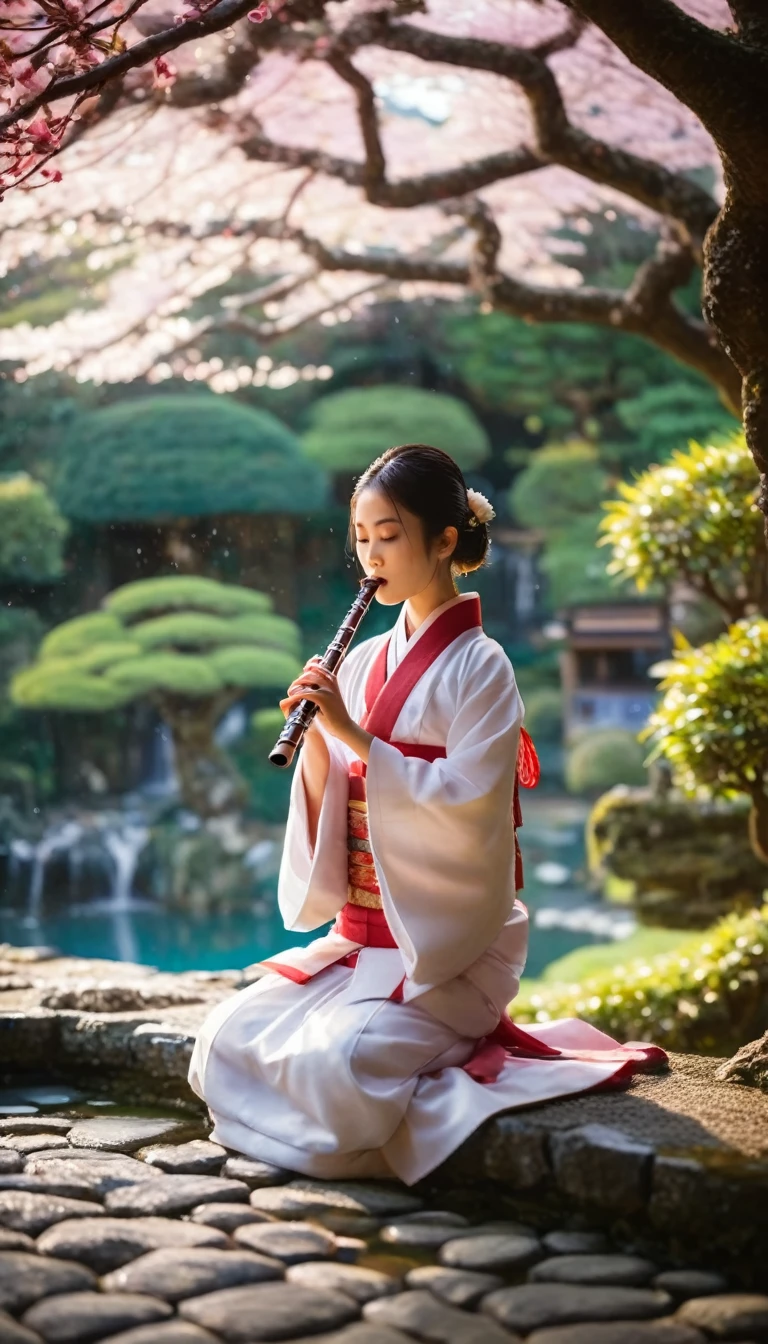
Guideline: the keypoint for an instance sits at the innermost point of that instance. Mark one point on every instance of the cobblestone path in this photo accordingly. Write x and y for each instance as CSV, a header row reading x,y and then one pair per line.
x,y
132,1230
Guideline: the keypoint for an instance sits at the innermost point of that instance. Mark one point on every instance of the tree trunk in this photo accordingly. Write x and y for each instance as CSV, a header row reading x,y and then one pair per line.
x,y
758,824
209,782
736,296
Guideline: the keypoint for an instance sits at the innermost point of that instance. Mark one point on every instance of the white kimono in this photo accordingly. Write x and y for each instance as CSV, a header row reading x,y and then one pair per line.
x,y
338,1070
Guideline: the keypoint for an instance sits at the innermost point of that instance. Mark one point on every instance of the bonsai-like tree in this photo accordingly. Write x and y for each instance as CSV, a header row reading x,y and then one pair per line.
x,y
712,724
694,518
349,429
192,646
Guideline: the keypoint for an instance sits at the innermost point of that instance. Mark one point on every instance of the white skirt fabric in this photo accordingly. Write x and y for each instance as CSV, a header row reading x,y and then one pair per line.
x,y
334,1079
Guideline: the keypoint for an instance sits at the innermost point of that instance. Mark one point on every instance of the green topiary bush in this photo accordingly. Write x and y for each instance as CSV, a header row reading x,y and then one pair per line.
x,y
603,758
166,457
694,518
349,429
709,995
32,531
544,714
712,723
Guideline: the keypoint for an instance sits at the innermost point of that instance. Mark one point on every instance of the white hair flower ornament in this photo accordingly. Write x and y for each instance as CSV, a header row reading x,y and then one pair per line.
x,y
480,507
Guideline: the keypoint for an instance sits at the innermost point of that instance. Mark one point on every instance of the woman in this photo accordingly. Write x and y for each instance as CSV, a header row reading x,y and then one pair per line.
x,y
381,1046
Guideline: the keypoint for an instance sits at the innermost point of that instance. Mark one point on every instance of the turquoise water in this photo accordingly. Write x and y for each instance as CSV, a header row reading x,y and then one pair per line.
x,y
175,940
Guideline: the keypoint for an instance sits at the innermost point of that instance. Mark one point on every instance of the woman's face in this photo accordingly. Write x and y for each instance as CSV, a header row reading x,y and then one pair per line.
x,y
390,545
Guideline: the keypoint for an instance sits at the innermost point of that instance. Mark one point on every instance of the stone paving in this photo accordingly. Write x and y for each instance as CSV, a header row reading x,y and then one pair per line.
x,y
138,1230
678,1161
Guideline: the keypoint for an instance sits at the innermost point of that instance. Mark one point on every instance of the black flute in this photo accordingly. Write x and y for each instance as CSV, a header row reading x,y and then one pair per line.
x,y
303,713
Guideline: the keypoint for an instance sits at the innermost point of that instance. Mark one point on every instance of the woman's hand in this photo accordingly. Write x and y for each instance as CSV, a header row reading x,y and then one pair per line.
x,y
322,688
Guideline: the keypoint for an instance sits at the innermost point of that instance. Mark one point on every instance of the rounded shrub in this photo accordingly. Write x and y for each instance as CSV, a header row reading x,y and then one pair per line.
x,y
173,456
544,715
601,759
349,429
32,531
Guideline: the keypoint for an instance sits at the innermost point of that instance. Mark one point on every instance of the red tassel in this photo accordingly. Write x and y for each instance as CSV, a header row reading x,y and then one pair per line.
x,y
528,766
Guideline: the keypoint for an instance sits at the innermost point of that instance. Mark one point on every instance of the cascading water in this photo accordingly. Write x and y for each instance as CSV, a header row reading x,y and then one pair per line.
x,y
124,844
63,836
159,776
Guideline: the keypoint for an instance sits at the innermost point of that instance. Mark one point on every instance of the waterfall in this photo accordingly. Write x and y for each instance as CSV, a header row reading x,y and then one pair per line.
x,y
159,779
62,836
232,726
124,844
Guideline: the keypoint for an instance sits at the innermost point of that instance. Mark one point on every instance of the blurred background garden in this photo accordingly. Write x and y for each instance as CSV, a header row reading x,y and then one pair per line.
x,y
174,492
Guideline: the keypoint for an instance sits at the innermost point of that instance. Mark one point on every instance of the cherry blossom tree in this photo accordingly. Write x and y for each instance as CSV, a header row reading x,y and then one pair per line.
x,y
349,149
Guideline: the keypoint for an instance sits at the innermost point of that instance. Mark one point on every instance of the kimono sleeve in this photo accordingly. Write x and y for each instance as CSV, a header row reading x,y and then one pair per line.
x,y
312,885
442,831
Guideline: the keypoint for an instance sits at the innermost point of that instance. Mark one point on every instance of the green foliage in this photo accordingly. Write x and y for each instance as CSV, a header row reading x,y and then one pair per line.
x,y
43,293
82,633
32,531
544,714
33,415
192,630
270,788
602,758
165,457
662,417
267,725
694,518
562,482
559,493
181,673
574,567
183,591
101,661
26,764
348,430
712,723
561,379
595,958
707,995
255,668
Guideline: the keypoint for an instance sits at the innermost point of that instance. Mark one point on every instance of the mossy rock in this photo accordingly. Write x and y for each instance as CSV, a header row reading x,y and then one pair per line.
x,y
689,861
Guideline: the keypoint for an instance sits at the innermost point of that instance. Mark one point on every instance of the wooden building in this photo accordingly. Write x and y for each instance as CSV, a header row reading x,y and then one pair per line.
x,y
609,648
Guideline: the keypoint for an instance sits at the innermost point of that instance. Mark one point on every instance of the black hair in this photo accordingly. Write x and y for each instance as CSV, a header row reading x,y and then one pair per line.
x,y
428,483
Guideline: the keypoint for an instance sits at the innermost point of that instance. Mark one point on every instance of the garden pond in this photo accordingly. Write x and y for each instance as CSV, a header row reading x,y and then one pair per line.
x,y
114,916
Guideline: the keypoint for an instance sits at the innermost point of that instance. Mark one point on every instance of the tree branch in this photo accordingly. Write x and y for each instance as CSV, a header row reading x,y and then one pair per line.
x,y
661,323
709,71
557,140
375,163
266,332
408,192
751,21
484,260
215,20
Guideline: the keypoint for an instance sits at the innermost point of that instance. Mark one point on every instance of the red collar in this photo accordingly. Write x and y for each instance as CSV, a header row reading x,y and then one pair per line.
x,y
384,698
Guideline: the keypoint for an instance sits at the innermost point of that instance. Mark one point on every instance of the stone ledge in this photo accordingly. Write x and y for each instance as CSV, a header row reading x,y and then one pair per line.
x,y
678,1159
